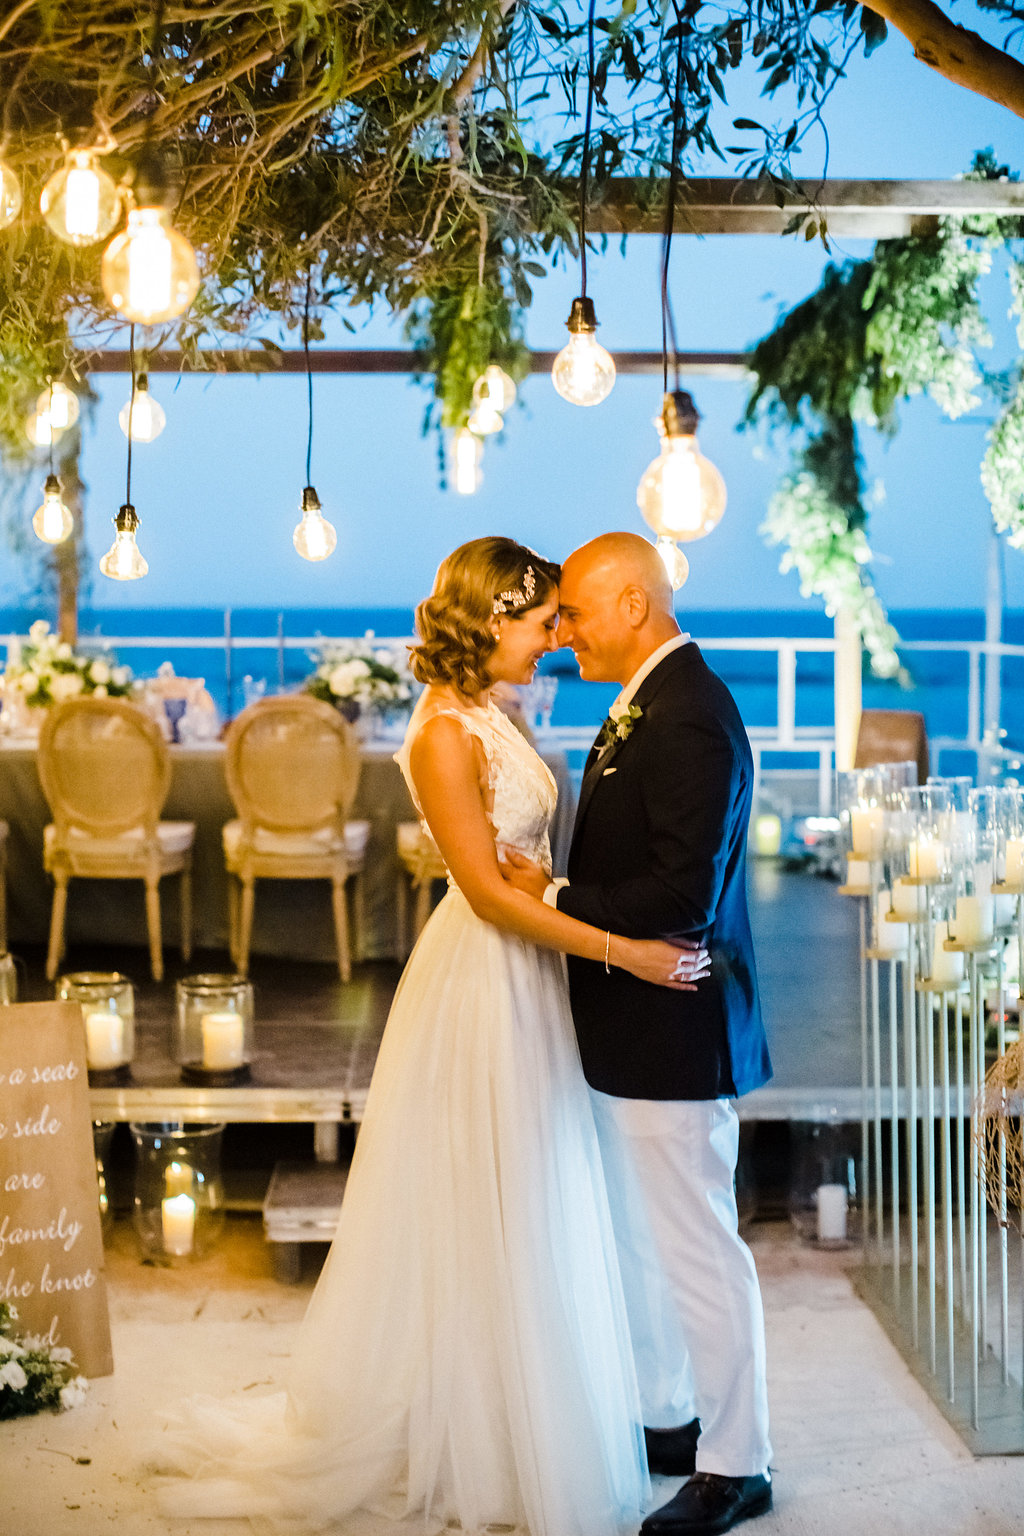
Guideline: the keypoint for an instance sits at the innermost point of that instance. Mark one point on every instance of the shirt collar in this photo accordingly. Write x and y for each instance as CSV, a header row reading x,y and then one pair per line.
x,y
628,693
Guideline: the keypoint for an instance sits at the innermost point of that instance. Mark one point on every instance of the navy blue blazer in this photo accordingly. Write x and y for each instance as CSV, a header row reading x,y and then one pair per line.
x,y
659,851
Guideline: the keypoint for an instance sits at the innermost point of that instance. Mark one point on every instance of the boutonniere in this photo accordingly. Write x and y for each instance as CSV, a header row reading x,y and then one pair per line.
x,y
618,727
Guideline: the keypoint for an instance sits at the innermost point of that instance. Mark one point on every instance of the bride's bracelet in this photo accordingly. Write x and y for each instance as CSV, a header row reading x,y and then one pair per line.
x,y
607,948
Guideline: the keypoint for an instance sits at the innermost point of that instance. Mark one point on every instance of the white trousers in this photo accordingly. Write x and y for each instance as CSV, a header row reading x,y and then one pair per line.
x,y
692,1297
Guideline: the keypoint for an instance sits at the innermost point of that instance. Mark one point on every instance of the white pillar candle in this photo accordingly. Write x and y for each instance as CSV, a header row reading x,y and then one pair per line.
x,y
1014,861
927,858
178,1180
891,937
908,900
832,1200
223,1040
975,919
867,831
104,1040
858,873
947,965
767,834
178,1218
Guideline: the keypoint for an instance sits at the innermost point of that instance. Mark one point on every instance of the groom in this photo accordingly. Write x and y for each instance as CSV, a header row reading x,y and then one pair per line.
x,y
659,850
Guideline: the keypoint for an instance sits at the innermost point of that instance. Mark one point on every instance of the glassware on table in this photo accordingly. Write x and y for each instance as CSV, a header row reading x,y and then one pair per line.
x,y
212,1033
253,688
107,1000
102,1135
178,1207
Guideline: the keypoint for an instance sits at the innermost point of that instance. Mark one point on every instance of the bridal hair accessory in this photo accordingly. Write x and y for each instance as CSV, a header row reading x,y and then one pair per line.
x,y
517,597
618,727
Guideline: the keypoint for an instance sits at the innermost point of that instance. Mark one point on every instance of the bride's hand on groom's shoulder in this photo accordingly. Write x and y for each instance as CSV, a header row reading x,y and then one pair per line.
x,y
523,873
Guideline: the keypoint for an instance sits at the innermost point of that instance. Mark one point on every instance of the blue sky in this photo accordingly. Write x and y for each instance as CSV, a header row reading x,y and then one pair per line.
x,y
218,493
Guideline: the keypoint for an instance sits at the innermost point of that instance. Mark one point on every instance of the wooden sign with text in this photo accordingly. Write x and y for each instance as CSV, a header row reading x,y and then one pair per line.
x,y
51,1244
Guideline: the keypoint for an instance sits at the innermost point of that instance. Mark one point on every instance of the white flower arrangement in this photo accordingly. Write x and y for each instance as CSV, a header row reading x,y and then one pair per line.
x,y
362,677
46,670
35,1374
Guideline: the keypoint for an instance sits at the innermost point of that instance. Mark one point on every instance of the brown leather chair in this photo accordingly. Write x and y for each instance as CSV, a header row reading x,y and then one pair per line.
x,y
892,736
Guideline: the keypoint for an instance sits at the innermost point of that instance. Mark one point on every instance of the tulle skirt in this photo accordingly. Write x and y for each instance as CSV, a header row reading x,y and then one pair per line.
x,y
465,1360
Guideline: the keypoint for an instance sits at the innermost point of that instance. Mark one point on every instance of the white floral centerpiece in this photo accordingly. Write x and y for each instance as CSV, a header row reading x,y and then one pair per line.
x,y
45,670
362,678
34,1374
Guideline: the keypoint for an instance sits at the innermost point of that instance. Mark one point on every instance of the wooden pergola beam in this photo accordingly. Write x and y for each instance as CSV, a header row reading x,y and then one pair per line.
x,y
864,210
367,360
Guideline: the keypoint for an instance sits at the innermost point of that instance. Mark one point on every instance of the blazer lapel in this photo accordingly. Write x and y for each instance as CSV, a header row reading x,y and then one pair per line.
x,y
597,762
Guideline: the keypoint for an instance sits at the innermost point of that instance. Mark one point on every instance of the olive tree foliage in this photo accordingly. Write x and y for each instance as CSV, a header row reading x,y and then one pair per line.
x,y
393,152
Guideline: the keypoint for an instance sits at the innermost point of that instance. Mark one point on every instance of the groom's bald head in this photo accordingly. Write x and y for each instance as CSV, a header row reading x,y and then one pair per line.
x,y
621,560
615,600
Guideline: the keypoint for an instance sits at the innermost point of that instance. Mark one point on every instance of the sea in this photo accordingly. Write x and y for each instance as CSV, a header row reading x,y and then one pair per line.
x,y
938,678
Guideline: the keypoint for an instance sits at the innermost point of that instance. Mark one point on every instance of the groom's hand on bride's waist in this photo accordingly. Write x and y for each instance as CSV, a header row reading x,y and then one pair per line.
x,y
524,874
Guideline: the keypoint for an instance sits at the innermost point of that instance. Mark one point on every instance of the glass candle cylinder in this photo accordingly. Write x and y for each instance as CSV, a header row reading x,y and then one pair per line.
x,y
213,1029
178,1207
823,1188
107,1001
102,1135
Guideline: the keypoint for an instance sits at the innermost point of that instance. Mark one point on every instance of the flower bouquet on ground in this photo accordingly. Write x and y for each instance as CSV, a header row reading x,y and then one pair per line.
x,y
364,680
34,1373
45,670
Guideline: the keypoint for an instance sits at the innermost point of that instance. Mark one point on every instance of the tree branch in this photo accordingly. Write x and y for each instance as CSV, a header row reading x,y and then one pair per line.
x,y
960,55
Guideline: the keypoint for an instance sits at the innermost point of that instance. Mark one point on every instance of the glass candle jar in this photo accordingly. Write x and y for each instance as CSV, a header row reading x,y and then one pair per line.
x,y
178,1208
108,1007
213,1029
102,1135
823,1180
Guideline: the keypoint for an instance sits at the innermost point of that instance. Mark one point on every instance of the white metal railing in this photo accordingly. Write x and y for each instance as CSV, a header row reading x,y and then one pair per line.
x,y
815,742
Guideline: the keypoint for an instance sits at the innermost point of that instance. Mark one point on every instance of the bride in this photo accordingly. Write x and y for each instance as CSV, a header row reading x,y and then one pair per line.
x,y
465,1361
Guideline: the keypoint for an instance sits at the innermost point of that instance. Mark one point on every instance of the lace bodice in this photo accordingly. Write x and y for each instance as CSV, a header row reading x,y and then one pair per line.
x,y
521,791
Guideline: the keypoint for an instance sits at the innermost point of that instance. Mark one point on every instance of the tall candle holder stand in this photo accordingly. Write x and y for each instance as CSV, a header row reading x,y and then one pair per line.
x,y
890,945
862,894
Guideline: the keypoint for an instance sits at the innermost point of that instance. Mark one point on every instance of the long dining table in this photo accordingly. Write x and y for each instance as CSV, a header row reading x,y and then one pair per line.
x,y
293,918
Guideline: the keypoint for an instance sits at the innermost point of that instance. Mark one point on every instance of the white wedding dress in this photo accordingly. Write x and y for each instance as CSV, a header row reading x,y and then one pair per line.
x,y
465,1360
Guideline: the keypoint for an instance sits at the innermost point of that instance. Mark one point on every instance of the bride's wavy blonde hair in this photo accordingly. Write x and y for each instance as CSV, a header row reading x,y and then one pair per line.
x,y
454,622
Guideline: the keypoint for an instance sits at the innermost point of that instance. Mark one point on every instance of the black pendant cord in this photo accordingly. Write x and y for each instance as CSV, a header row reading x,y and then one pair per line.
x,y
154,47
585,160
50,411
668,324
131,412
309,378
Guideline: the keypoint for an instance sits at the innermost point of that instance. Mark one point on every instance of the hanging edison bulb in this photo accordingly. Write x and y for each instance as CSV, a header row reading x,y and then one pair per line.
x,y
149,272
583,372
10,195
498,386
52,522
80,202
314,537
60,404
40,430
485,419
123,561
677,567
681,494
465,454
141,417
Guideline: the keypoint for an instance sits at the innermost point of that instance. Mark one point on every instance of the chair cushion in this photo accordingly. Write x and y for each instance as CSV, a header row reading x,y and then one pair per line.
x,y
418,851
173,837
356,835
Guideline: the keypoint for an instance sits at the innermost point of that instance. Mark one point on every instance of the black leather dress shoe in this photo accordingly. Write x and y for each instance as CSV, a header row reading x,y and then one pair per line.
x,y
673,1452
709,1504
